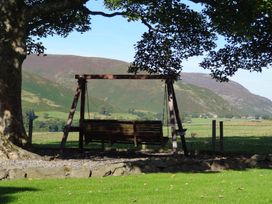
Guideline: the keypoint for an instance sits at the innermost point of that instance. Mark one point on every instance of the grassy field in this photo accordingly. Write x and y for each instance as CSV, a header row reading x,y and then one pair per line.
x,y
252,186
232,127
241,136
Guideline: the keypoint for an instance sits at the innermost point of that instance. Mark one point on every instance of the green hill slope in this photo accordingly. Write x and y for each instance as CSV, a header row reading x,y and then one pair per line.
x,y
40,94
148,95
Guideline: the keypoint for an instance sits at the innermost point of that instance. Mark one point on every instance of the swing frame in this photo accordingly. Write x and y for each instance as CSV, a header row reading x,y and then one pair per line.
x,y
81,93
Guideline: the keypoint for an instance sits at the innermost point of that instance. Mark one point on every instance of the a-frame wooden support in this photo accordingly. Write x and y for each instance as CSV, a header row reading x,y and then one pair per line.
x,y
81,88
175,118
81,92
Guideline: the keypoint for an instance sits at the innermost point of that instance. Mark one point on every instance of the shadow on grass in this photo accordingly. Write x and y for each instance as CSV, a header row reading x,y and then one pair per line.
x,y
232,144
95,148
8,194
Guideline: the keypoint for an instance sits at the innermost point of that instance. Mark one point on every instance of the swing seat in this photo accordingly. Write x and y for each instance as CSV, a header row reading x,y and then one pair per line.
x,y
116,131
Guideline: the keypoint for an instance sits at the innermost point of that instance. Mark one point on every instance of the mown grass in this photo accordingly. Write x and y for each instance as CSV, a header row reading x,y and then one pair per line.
x,y
247,186
252,186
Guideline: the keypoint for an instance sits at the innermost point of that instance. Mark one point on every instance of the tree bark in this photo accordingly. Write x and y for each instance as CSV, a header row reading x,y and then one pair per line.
x,y
9,151
12,54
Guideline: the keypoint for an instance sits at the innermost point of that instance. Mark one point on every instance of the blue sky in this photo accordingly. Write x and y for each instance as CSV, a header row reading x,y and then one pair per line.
x,y
115,38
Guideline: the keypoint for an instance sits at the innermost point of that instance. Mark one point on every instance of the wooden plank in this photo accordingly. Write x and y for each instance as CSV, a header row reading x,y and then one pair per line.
x,y
144,122
116,131
74,129
120,76
96,121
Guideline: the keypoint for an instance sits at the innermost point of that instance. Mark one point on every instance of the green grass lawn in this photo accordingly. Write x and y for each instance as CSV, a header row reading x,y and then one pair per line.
x,y
252,186
248,186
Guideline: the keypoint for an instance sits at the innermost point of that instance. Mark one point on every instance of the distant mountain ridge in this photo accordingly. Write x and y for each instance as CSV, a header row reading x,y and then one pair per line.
x,y
232,92
196,93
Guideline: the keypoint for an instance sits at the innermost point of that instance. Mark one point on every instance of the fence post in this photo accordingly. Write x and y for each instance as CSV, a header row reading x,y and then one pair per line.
x,y
30,130
213,134
221,137
31,117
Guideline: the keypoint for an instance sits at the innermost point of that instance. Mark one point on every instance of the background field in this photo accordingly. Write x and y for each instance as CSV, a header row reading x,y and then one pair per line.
x,y
241,136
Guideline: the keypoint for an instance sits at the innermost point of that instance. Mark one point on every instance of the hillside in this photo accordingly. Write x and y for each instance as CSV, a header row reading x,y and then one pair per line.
x,y
40,94
197,93
234,93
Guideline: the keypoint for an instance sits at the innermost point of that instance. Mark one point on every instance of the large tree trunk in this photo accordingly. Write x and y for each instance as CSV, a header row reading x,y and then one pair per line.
x,y
11,123
9,151
12,54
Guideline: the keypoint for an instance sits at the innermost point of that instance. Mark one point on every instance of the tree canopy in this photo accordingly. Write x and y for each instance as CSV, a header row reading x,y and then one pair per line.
x,y
175,31
247,28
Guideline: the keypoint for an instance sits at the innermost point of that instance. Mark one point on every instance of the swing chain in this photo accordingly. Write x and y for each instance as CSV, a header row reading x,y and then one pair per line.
x,y
165,110
88,105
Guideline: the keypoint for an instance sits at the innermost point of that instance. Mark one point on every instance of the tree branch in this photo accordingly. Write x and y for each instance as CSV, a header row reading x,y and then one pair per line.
x,y
100,13
209,2
48,6
147,24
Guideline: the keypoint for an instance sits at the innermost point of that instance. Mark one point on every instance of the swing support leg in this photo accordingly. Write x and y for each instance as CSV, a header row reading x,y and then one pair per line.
x,y
175,118
172,117
82,81
70,117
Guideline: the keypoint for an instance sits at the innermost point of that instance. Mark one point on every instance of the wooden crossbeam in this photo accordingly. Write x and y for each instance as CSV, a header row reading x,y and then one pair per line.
x,y
120,76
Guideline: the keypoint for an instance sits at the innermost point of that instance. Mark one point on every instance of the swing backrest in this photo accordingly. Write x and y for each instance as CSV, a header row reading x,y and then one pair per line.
x,y
115,131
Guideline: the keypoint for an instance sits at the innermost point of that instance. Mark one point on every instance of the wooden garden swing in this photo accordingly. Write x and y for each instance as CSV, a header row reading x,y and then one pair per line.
x,y
115,131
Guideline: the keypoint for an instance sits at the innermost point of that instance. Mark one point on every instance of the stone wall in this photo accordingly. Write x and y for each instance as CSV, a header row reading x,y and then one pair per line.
x,y
101,167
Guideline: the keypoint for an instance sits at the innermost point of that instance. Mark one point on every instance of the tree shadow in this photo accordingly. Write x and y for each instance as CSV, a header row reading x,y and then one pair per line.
x,y
7,194
208,164
171,165
232,144
237,155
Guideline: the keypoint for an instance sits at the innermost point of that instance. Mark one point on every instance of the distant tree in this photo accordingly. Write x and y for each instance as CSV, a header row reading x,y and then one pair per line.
x,y
46,116
229,115
195,115
131,110
266,117
53,128
104,111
